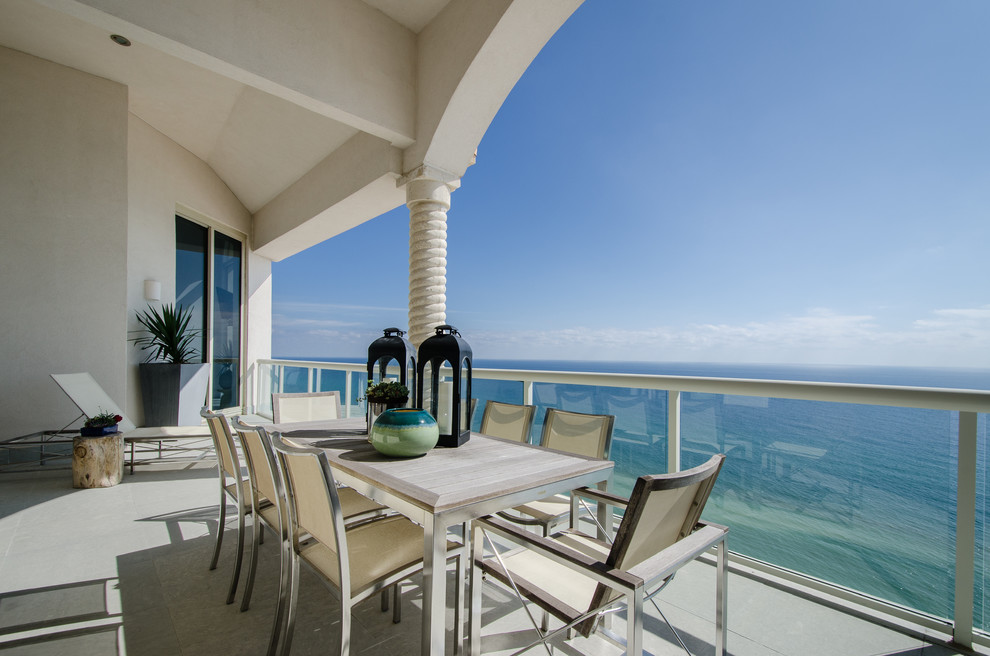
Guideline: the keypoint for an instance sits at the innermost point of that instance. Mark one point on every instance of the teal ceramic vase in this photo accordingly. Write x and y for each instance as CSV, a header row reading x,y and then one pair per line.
x,y
404,432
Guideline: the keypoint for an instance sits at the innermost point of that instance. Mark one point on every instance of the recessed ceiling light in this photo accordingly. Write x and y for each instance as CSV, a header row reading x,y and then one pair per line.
x,y
120,40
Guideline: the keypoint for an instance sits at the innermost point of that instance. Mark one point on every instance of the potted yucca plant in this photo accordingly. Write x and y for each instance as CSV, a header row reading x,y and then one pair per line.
x,y
174,378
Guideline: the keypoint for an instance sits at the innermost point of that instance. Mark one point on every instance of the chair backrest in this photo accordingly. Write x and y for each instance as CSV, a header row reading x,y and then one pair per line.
x,y
577,433
508,420
662,509
305,406
90,398
314,506
223,443
262,468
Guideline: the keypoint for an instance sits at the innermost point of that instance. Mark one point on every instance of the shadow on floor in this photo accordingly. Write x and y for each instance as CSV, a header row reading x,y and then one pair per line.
x,y
73,618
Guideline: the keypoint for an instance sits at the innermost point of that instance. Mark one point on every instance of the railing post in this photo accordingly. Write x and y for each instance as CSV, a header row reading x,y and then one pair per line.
x,y
348,387
527,392
253,388
962,626
673,431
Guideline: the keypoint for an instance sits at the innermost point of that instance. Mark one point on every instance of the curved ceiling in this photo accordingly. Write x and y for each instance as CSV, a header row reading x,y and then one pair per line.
x,y
258,143
312,112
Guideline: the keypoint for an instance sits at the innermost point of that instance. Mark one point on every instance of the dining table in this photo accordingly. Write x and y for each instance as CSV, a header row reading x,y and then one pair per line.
x,y
444,488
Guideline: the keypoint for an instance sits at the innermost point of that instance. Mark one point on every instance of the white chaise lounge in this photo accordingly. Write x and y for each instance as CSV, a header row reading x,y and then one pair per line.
x,y
91,400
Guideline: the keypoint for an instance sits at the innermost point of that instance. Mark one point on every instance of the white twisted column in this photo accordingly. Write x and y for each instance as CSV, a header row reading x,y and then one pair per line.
x,y
428,200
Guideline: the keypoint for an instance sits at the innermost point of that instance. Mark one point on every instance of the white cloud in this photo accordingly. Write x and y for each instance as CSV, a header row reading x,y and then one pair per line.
x,y
946,337
951,337
321,330
306,307
974,317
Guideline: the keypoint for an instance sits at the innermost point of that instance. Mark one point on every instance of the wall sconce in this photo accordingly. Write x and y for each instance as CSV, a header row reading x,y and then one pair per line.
x,y
152,290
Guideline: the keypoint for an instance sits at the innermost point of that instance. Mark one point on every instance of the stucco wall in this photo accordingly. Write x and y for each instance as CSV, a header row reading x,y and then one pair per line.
x,y
63,185
89,195
165,179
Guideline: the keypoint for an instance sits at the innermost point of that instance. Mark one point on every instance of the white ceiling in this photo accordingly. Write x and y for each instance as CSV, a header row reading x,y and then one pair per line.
x,y
413,14
257,143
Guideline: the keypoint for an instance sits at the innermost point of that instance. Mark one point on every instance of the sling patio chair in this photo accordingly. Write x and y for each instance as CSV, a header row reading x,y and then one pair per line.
x,y
264,485
228,467
305,406
508,420
573,432
354,561
251,499
578,578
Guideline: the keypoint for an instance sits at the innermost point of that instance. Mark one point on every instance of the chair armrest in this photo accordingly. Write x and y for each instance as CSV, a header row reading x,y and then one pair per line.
x,y
702,522
668,561
601,496
549,548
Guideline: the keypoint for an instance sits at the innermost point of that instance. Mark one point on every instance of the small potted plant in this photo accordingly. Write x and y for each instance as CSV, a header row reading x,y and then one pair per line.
x,y
384,396
389,392
99,425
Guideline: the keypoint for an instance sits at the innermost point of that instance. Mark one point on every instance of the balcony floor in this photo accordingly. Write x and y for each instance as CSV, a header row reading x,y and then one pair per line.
x,y
123,570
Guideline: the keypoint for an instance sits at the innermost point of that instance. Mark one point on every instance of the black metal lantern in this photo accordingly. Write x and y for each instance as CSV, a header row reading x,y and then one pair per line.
x,y
391,348
385,349
449,400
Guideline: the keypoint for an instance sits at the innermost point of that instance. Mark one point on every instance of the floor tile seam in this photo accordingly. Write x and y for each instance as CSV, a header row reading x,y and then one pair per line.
x,y
11,534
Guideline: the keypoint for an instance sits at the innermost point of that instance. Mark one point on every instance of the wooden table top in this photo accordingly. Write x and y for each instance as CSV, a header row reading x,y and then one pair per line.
x,y
444,479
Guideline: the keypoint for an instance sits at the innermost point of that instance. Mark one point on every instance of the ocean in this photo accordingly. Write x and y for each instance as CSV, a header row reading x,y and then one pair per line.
x,y
857,495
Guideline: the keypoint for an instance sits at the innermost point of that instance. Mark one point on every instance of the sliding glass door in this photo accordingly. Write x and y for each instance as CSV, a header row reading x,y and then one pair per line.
x,y
191,275
208,281
226,321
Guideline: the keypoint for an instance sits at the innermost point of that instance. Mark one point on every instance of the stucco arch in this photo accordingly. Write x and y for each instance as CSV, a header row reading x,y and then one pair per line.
x,y
464,77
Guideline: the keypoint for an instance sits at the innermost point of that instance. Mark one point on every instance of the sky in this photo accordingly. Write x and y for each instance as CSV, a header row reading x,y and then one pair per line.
x,y
766,181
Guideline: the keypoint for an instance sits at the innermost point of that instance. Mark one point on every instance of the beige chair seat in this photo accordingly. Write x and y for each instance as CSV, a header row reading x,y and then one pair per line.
x,y
534,573
376,551
231,489
269,514
355,505
546,510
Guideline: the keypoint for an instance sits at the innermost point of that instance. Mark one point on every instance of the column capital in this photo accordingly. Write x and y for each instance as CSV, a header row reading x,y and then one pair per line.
x,y
427,172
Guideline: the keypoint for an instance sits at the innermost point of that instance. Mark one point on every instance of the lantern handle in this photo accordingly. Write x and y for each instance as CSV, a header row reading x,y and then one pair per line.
x,y
447,328
394,332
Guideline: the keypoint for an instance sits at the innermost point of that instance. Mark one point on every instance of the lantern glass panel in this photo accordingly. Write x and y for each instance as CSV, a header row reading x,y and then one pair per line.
x,y
445,361
466,401
386,369
437,394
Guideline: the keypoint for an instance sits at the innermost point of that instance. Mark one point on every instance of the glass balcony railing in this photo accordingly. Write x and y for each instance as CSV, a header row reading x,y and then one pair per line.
x,y
877,495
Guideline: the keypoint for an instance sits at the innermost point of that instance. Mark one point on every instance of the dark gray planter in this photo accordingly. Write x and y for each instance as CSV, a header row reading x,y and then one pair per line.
x,y
173,394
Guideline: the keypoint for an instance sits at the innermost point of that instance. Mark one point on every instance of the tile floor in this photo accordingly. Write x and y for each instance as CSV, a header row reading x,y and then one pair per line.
x,y
124,570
